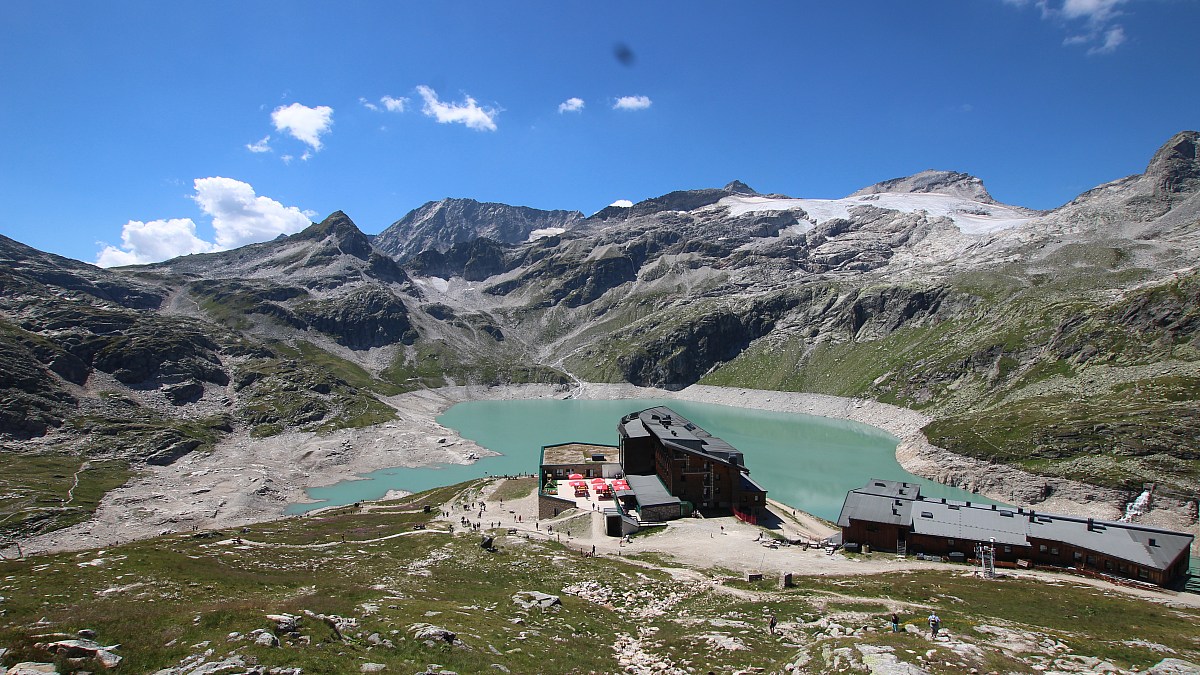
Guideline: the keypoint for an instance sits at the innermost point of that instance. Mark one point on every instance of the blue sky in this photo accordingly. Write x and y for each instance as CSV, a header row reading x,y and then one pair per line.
x,y
134,125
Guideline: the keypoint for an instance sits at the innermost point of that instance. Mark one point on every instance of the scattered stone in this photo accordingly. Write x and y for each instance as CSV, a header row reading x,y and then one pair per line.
x,y
372,668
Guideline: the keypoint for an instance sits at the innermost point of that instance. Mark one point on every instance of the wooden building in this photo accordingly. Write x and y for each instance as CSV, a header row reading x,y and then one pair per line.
x,y
894,516
692,464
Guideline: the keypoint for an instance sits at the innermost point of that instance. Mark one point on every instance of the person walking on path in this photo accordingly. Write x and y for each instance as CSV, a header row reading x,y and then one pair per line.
x,y
771,624
935,624
895,622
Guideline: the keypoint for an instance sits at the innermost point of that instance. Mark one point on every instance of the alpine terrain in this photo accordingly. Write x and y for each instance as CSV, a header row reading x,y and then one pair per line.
x,y
1062,343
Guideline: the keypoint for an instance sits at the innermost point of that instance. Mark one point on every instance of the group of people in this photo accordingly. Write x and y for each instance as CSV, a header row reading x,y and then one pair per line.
x,y
935,623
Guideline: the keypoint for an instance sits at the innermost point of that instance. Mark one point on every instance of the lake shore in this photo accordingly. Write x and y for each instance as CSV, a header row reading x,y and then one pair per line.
x,y
245,480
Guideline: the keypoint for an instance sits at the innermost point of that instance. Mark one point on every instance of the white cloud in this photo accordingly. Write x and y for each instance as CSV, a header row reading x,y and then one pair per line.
x,y
394,104
303,123
1098,11
571,105
240,217
367,104
1091,22
153,241
468,112
623,203
260,146
632,103
1113,37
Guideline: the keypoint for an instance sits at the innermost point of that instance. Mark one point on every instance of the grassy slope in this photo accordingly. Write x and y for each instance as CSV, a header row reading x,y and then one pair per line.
x,y
1040,374
167,599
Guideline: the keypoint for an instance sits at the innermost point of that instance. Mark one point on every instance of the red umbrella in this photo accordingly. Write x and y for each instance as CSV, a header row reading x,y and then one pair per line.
x,y
597,480
575,475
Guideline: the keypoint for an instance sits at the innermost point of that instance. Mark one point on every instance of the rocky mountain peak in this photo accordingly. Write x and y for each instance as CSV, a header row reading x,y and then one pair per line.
x,y
739,187
441,224
1175,167
952,183
340,231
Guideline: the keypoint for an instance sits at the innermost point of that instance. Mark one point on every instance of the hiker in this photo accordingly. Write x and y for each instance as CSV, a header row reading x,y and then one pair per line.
x,y
895,622
935,624
771,624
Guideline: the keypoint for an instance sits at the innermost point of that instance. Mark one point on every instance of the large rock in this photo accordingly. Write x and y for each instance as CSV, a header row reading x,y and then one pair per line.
x,y
536,599
432,634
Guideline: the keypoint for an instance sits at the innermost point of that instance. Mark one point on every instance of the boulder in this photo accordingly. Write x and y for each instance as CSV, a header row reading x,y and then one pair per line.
x,y
74,649
266,640
1164,667
31,668
284,623
532,599
372,668
431,633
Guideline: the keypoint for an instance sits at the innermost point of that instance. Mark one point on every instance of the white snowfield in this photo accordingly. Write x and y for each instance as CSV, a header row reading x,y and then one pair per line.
x,y
970,216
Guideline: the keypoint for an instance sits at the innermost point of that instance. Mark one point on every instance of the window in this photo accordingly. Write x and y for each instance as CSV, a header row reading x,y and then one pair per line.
x,y
1008,549
1078,555
1054,551
1143,574
1041,548
949,542
926,514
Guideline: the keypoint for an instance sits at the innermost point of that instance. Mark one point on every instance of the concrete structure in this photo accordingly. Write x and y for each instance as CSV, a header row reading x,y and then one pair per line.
x,y
890,515
693,465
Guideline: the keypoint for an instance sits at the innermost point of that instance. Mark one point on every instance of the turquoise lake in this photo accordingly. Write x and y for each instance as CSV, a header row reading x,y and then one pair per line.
x,y
804,461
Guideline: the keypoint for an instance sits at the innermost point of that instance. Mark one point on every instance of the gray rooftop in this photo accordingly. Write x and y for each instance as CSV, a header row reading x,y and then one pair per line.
x,y
675,431
650,491
901,504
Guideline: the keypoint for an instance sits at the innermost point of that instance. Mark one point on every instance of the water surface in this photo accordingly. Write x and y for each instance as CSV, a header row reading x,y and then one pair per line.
x,y
805,461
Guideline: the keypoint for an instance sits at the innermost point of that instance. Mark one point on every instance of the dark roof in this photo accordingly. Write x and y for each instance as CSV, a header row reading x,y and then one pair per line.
x,y
898,503
749,485
675,431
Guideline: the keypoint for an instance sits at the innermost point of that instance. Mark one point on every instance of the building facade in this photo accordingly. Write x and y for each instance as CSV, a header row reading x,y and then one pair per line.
x,y
894,516
693,465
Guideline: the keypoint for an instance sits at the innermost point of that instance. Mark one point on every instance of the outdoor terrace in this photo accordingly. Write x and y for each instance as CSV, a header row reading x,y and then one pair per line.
x,y
579,453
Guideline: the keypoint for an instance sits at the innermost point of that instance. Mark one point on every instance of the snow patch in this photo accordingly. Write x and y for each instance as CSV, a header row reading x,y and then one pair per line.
x,y
970,216
546,232
439,284
623,203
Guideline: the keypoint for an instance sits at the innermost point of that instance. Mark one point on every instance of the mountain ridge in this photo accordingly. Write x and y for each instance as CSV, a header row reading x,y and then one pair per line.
x,y
888,295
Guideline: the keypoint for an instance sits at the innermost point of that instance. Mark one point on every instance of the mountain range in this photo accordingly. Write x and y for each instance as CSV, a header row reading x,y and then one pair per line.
x,y
1063,341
